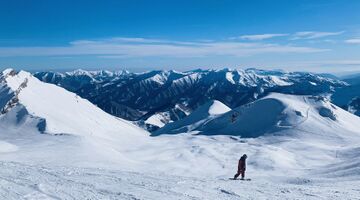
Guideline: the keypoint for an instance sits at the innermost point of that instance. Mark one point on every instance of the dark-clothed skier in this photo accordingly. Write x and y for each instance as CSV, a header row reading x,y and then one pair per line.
x,y
241,167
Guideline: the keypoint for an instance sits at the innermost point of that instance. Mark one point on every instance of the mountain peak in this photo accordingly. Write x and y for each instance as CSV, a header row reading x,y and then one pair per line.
x,y
8,71
62,111
205,112
216,108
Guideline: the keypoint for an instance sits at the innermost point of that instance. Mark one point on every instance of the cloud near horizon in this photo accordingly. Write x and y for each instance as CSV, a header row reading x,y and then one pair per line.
x,y
353,41
143,47
305,35
260,36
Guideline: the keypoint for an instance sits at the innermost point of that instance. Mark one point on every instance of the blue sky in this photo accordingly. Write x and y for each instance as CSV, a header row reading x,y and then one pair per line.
x,y
320,36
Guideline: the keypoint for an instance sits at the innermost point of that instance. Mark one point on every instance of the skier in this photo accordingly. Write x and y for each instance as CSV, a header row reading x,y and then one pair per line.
x,y
234,116
241,167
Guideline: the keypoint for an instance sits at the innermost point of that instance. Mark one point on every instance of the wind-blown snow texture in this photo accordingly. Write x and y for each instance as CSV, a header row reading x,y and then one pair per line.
x,y
56,145
172,95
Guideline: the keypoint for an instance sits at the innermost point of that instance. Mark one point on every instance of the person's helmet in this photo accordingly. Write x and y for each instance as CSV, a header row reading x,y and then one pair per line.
x,y
244,156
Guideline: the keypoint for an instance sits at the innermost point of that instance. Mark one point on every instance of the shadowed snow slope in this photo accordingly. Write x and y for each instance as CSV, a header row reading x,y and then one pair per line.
x,y
273,113
189,123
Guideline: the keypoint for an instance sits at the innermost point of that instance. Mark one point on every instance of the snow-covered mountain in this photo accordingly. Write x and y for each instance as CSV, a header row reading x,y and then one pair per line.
x,y
204,113
273,113
59,111
56,145
39,113
158,97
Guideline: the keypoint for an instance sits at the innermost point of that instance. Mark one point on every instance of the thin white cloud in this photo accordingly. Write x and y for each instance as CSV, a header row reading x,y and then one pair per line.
x,y
259,36
314,34
353,41
141,47
341,62
124,40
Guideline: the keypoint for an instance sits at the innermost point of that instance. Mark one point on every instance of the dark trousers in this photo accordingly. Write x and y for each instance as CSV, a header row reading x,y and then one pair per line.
x,y
242,172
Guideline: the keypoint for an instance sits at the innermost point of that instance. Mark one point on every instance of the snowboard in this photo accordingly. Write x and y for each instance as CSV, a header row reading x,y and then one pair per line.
x,y
246,179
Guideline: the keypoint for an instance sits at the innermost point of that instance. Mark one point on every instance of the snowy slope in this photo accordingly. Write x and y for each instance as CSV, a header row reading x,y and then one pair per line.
x,y
298,147
67,122
205,112
19,181
273,113
65,112
286,133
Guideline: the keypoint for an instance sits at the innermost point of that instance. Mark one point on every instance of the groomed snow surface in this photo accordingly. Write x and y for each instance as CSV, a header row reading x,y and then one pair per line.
x,y
19,181
55,145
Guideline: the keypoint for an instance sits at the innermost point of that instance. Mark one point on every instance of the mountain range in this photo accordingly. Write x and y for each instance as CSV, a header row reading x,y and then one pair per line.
x,y
348,97
155,98
54,144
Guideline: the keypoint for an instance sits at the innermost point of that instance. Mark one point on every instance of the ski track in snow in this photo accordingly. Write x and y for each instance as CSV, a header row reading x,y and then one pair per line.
x,y
19,181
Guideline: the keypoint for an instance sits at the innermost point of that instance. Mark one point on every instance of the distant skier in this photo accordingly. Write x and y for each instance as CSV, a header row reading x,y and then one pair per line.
x,y
234,116
241,167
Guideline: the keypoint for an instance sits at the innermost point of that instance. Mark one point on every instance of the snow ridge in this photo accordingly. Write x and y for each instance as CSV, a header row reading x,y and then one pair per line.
x,y
138,96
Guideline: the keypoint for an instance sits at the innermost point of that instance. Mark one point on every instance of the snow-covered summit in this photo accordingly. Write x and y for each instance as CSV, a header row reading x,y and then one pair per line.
x,y
273,113
60,111
95,74
205,112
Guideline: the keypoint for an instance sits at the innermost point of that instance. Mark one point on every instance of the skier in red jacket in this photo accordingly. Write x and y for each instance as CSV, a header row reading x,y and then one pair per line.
x,y
241,167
